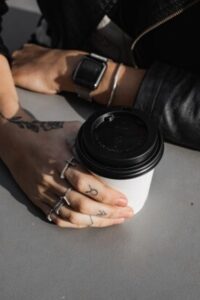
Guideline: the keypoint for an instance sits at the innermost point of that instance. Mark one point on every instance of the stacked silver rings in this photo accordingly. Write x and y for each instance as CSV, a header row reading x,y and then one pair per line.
x,y
63,200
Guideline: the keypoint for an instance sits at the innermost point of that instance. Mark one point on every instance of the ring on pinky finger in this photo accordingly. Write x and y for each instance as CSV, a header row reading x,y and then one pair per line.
x,y
63,223
56,219
49,215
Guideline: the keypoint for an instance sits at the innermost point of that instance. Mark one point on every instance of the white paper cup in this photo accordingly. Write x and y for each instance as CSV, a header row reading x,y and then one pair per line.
x,y
122,147
136,189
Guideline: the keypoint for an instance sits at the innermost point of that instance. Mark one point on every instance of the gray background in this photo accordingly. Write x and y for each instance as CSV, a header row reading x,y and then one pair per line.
x,y
153,256
20,22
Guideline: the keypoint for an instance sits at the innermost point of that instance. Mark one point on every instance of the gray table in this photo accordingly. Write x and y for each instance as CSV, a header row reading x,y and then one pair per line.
x,y
153,256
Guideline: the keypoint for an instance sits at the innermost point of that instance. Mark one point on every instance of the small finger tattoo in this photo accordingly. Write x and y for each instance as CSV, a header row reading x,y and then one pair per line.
x,y
92,191
101,213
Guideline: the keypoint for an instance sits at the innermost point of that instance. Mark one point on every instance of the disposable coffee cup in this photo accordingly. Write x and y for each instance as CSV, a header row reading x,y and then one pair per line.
x,y
122,147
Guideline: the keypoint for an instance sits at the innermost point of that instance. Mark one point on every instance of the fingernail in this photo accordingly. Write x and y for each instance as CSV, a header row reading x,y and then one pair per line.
x,y
127,213
130,214
122,202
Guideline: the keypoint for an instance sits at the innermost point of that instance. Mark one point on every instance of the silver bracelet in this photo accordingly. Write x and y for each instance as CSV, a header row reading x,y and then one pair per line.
x,y
114,86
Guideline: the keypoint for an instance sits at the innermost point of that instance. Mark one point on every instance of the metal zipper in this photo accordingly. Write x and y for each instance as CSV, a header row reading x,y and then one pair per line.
x,y
158,24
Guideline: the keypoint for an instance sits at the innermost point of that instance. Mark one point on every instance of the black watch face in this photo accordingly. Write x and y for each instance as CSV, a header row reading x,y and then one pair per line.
x,y
89,73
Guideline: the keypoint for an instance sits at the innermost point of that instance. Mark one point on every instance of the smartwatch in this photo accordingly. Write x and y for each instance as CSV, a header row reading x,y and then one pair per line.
x,y
88,74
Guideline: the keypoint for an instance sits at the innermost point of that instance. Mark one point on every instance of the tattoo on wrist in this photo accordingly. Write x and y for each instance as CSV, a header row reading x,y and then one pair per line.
x,y
92,191
35,126
101,213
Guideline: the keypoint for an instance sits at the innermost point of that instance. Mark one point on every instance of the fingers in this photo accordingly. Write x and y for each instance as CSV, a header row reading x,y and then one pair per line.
x,y
68,218
80,220
92,187
33,46
27,53
85,205
77,210
28,47
16,53
56,219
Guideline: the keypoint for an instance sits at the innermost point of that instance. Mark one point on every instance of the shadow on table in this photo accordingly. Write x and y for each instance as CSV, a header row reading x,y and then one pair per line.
x,y
81,106
18,25
7,182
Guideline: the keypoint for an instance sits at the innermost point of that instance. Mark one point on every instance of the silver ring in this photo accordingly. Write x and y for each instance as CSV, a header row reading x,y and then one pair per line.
x,y
62,201
91,220
49,218
58,205
69,163
65,198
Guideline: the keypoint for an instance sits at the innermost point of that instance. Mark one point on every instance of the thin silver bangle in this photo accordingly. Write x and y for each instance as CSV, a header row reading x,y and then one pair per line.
x,y
114,86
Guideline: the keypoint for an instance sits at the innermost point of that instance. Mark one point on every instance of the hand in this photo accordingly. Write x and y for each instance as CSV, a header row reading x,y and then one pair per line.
x,y
50,71
44,148
44,70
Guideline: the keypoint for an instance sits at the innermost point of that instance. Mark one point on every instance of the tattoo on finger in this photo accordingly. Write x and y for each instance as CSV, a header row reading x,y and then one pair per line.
x,y
92,191
101,213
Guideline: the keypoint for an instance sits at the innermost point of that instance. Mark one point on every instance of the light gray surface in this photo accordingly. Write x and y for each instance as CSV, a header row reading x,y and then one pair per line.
x,y
153,256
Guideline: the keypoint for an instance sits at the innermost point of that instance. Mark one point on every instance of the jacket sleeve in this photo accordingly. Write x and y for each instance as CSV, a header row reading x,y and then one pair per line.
x,y
3,48
172,97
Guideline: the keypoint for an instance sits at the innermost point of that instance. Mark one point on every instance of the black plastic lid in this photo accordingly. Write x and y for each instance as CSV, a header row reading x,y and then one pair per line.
x,y
119,143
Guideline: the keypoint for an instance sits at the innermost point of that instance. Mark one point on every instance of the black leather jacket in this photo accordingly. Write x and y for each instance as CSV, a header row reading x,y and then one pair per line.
x,y
166,43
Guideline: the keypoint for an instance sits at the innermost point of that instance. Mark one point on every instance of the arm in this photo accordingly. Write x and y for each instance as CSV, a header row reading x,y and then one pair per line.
x,y
172,97
3,50
168,94
9,104
50,71
35,152
8,96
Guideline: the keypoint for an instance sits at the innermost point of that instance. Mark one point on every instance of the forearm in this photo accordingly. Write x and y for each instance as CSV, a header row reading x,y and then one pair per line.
x,y
171,96
128,83
50,71
9,104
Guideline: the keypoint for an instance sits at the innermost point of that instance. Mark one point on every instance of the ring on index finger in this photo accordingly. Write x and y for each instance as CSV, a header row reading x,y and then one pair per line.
x,y
69,163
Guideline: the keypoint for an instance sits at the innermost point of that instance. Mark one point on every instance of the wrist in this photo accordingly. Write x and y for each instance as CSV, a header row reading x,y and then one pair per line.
x,y
9,106
101,93
8,96
128,86
72,58
128,82
11,135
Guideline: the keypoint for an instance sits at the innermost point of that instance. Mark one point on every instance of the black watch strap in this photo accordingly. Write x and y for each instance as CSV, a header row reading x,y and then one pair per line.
x,y
84,92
